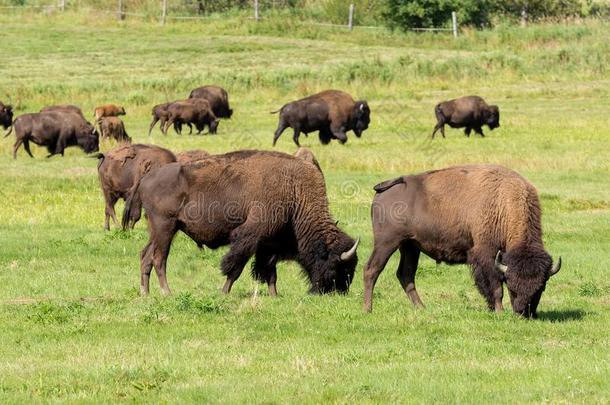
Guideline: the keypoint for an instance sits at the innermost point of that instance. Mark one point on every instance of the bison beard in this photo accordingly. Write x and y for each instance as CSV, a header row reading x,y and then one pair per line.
x,y
485,216
268,205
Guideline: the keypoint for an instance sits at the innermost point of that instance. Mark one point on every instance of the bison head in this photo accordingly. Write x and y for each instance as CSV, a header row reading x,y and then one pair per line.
x,y
6,115
361,117
214,126
493,117
89,139
335,264
526,275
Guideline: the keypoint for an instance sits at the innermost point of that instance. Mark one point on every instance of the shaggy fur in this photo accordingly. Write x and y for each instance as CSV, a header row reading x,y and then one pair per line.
x,y
463,214
113,127
269,205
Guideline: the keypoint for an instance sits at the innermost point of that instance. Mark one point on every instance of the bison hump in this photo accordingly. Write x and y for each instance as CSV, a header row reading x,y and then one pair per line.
x,y
383,186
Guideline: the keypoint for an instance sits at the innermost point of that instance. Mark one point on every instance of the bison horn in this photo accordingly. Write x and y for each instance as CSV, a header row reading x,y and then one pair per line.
x,y
499,266
345,256
556,267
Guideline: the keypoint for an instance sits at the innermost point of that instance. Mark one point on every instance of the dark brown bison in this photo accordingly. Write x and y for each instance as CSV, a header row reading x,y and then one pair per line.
x,y
269,205
190,156
113,127
64,108
121,168
108,110
56,130
193,111
217,97
331,112
484,215
6,115
471,112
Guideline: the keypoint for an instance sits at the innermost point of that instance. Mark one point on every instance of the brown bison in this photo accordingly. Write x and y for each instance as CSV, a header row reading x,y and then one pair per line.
x,y
193,111
307,155
6,115
331,112
121,168
160,115
108,110
56,130
113,127
64,108
269,205
217,97
190,156
471,112
484,215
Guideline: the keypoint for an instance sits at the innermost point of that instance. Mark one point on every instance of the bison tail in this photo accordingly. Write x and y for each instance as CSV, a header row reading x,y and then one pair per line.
x,y
381,187
133,200
276,111
10,129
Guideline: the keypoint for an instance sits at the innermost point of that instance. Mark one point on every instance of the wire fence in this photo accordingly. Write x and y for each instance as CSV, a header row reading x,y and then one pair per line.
x,y
168,10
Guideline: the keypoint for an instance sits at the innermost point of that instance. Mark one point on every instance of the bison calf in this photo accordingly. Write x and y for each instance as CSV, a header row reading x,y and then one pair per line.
x,y
108,110
471,112
121,168
113,127
331,112
486,216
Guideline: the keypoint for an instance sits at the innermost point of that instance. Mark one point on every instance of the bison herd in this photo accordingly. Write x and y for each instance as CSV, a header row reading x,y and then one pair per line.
x,y
273,207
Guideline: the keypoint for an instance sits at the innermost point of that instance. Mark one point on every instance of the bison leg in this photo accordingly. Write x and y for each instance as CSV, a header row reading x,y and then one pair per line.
x,y
146,264
409,257
479,131
487,279
109,211
340,134
264,269
163,232
295,136
243,246
467,131
16,146
325,136
280,128
379,258
26,146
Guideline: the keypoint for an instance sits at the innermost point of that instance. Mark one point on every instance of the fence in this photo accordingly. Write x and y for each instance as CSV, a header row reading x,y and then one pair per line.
x,y
194,10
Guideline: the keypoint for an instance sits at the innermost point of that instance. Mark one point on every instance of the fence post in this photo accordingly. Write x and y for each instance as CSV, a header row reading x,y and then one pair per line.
x,y
350,20
454,22
62,5
120,10
163,12
256,15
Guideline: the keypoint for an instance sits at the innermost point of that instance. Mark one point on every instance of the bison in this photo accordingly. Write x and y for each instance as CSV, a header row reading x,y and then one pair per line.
x,y
194,111
190,156
56,130
471,112
121,168
484,215
113,127
64,108
217,97
108,110
269,205
160,114
6,115
331,112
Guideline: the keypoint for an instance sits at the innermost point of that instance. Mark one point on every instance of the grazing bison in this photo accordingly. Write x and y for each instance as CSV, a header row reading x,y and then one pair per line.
x,y
269,205
190,156
194,111
471,112
108,110
484,215
64,108
331,112
217,97
6,115
121,168
56,130
113,127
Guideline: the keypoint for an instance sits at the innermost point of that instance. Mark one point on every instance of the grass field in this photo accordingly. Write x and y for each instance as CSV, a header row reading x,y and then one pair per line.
x,y
74,329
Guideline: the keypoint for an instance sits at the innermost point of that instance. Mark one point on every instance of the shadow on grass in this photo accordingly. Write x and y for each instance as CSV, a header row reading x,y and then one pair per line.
x,y
562,316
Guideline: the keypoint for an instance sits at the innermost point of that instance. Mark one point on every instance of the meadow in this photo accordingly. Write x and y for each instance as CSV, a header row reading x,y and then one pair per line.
x,y
74,329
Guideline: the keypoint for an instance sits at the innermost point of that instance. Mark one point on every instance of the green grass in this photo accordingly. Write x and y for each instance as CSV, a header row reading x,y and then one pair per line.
x,y
72,325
